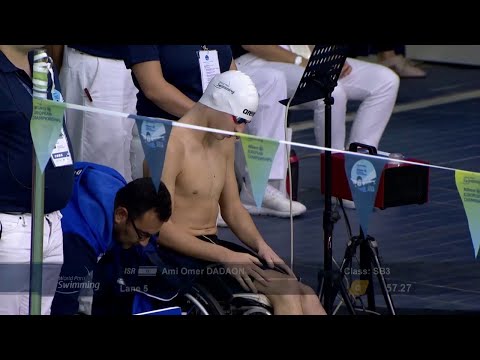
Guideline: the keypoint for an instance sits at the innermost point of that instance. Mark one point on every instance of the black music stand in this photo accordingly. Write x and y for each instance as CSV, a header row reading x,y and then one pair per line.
x,y
318,82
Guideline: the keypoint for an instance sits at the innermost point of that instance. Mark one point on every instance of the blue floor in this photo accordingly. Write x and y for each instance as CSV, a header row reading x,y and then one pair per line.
x,y
426,248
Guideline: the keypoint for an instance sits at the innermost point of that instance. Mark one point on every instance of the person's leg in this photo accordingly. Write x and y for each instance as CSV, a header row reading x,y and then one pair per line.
x,y
290,297
97,138
52,258
15,245
287,294
106,139
75,277
339,109
129,107
286,304
284,293
269,120
137,155
310,302
72,77
293,74
393,56
377,87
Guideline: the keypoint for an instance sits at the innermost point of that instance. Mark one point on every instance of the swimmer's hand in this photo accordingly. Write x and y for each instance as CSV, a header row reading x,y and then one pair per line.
x,y
272,259
245,267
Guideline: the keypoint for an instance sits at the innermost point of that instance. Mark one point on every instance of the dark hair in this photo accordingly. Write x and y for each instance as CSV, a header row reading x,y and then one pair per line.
x,y
140,196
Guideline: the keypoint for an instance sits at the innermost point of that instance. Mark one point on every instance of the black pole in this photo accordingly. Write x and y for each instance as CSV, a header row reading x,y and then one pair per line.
x,y
318,82
327,213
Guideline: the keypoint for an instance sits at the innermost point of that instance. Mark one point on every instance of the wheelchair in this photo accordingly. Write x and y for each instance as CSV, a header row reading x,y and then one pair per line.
x,y
216,295
213,292
200,300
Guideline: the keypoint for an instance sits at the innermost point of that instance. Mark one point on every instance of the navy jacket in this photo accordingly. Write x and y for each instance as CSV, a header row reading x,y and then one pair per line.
x,y
16,147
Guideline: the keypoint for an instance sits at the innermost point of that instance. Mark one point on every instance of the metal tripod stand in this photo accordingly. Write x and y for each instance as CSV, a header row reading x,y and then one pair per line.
x,y
370,266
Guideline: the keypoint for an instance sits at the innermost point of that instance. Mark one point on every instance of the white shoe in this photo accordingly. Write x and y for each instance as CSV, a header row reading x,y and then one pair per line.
x,y
274,203
347,204
220,221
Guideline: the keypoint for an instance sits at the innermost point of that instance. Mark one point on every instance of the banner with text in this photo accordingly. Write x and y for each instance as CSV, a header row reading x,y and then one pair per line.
x,y
46,128
468,186
259,154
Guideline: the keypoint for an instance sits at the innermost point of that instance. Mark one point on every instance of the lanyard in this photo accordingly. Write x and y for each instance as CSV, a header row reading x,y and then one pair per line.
x,y
25,86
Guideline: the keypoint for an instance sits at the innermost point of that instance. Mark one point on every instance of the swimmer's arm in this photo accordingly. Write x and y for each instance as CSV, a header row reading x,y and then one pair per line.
x,y
233,212
177,239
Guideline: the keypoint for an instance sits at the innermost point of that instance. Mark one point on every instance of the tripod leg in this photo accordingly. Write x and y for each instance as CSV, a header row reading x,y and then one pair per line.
x,y
366,272
380,270
335,278
339,285
348,298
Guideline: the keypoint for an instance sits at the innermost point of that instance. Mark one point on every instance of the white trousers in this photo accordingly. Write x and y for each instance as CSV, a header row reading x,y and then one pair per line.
x,y
376,86
97,138
137,155
269,120
15,245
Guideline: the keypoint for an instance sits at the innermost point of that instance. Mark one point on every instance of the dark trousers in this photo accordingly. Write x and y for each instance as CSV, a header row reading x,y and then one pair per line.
x,y
79,259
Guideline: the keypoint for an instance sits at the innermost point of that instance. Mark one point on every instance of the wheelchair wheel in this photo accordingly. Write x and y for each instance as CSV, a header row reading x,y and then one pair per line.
x,y
199,301
244,305
257,310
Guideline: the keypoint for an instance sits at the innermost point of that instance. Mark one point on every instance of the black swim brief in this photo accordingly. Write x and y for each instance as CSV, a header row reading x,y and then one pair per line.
x,y
238,248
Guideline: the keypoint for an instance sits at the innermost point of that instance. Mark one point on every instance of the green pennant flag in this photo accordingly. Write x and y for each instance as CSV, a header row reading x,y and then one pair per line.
x,y
259,154
45,127
468,186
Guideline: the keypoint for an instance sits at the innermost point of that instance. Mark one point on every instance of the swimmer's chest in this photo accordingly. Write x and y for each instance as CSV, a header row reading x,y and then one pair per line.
x,y
203,175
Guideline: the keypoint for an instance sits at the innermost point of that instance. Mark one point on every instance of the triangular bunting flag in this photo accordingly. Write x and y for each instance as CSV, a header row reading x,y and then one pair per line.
x,y
154,135
45,128
468,186
259,154
363,177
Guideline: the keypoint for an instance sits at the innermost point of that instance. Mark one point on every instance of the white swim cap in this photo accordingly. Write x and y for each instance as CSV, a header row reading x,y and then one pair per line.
x,y
232,92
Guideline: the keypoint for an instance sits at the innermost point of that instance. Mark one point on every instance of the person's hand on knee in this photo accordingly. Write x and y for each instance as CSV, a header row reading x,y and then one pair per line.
x,y
272,259
245,268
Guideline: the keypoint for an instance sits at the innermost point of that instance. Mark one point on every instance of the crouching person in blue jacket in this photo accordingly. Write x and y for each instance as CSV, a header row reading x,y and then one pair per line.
x,y
111,255
134,266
